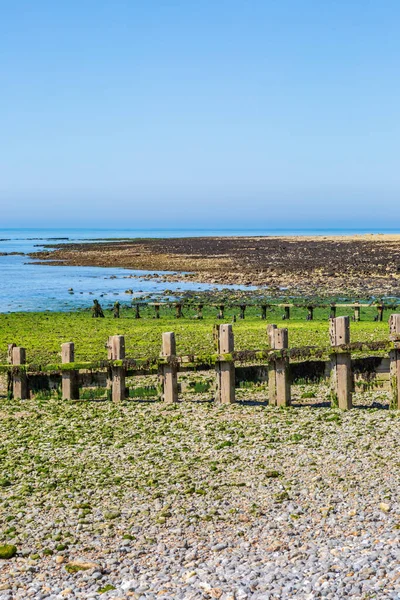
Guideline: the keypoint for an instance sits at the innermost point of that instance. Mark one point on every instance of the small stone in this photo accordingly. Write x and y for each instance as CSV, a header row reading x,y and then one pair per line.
x,y
219,547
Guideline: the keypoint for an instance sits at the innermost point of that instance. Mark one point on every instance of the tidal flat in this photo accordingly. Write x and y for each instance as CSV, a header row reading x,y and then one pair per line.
x,y
363,266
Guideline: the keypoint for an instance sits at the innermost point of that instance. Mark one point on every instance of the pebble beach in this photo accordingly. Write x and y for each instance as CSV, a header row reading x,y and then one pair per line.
x,y
145,501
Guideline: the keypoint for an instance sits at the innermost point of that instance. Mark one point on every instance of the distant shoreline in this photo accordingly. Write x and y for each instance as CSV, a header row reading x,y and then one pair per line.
x,y
362,265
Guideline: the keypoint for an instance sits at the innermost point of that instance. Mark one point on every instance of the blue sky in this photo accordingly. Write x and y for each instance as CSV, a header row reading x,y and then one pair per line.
x,y
202,114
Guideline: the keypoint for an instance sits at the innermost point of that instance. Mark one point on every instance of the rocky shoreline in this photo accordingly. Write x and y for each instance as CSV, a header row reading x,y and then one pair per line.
x,y
359,266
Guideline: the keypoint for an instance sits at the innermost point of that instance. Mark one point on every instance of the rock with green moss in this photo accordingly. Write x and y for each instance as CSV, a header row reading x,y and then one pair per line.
x,y
8,551
112,514
106,588
272,473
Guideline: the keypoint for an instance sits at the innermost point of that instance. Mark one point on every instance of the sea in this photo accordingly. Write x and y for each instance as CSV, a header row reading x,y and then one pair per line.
x,y
26,286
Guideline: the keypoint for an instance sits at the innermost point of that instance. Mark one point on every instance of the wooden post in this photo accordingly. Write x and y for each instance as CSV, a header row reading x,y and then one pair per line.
x,y
216,327
271,328
310,313
9,375
287,313
20,380
69,379
380,312
108,345
264,311
169,371
118,373
225,371
137,311
242,311
394,327
333,312
270,334
178,310
200,311
221,311
357,312
157,309
282,379
342,379
10,348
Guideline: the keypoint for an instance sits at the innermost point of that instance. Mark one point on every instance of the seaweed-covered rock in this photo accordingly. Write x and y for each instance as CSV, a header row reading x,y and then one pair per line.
x,y
8,551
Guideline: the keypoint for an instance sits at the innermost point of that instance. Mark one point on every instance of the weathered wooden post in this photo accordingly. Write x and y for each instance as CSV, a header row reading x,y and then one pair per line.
x,y
137,311
342,379
310,313
270,334
118,372
332,314
69,379
394,328
20,380
9,375
216,327
380,312
242,310
108,346
169,377
157,310
287,313
10,348
282,378
178,310
221,311
264,311
200,311
357,312
225,370
271,328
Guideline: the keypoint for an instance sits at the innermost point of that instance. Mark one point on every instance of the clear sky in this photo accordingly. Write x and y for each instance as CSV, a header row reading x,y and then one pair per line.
x,y
200,113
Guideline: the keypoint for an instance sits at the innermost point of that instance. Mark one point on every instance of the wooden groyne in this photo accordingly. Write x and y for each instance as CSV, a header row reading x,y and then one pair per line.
x,y
342,361
181,308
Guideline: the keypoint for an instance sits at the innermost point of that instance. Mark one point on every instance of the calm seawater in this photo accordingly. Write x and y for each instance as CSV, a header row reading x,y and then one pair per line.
x,y
25,286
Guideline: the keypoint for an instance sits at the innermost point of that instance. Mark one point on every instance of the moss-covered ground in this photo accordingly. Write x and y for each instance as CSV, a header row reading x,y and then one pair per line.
x,y
43,333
